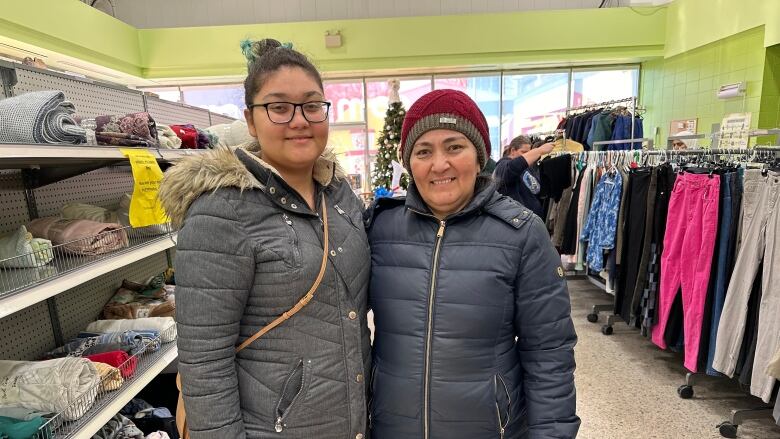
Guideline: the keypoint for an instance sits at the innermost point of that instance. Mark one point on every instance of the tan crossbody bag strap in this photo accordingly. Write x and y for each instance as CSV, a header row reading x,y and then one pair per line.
x,y
308,296
181,419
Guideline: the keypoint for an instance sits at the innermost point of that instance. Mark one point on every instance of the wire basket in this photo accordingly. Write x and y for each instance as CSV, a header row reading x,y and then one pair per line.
x,y
94,401
27,270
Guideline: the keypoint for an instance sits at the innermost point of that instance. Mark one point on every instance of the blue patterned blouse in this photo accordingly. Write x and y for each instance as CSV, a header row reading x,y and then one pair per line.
x,y
601,224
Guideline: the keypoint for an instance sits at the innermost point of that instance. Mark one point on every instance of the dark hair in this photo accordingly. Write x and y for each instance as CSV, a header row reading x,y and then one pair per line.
x,y
519,141
265,57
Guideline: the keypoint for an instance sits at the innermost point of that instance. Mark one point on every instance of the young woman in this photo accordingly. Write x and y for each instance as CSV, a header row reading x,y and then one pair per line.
x,y
474,338
250,246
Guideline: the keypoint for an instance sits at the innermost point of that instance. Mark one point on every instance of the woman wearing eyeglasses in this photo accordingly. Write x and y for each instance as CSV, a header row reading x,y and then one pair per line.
x,y
252,242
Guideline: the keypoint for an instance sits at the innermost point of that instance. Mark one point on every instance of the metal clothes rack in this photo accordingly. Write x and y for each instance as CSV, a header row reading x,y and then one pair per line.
x,y
634,107
715,137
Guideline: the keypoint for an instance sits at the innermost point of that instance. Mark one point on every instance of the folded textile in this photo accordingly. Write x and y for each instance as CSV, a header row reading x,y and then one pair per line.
x,y
231,134
119,427
39,117
22,413
150,341
133,300
165,325
123,139
204,140
119,359
110,377
188,135
159,434
20,250
11,428
213,138
88,212
128,341
167,137
141,125
83,237
50,386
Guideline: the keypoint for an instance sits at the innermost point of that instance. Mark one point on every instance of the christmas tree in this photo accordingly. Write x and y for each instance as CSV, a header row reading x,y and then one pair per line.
x,y
388,142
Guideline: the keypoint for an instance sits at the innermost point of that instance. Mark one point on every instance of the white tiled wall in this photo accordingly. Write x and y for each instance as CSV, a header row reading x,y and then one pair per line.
x,y
181,13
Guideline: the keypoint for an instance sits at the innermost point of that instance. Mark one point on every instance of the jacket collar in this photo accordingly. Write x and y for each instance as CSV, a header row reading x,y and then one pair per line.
x,y
483,192
244,169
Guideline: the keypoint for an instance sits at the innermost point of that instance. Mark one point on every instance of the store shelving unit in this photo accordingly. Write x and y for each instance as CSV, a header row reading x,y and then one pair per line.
x,y
43,306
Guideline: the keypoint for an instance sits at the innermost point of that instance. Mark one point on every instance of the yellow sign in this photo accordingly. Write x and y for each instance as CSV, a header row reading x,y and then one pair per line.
x,y
145,207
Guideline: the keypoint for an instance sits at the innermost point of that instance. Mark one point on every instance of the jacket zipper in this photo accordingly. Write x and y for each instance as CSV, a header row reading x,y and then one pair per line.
x,y
431,296
501,425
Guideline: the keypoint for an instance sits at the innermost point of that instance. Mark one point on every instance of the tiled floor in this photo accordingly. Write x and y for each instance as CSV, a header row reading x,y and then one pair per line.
x,y
627,387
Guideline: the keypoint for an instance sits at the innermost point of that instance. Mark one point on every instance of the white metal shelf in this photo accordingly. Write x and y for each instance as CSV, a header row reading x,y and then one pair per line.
x,y
14,156
49,288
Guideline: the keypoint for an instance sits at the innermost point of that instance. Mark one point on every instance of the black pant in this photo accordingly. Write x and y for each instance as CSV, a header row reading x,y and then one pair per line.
x,y
633,242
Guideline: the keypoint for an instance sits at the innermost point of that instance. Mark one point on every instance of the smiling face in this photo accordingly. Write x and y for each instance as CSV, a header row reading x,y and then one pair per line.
x,y
296,145
444,167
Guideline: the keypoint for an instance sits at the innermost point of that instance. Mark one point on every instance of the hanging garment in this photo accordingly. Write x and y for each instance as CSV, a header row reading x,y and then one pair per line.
x,y
570,237
687,257
635,220
582,211
641,280
761,223
599,230
555,176
731,195
39,117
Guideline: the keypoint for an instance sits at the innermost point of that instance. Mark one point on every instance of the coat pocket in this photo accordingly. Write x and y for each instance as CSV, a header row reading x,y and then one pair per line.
x,y
503,404
293,237
293,391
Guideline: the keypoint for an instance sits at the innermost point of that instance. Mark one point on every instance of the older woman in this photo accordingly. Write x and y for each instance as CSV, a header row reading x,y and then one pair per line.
x,y
474,337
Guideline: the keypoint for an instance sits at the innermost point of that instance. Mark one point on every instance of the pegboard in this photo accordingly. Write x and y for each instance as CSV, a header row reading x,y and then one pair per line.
x,y
26,334
81,305
102,187
219,118
91,99
13,206
172,113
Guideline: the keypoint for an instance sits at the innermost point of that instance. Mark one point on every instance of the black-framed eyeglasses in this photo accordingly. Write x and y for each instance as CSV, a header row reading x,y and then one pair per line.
x,y
283,112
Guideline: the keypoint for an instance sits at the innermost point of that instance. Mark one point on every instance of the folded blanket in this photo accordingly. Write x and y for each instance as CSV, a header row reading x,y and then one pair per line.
x,y
119,359
39,117
88,212
204,141
65,385
11,428
83,237
150,340
128,341
122,139
110,377
133,300
231,134
140,125
166,326
119,427
188,135
167,137
213,139
20,250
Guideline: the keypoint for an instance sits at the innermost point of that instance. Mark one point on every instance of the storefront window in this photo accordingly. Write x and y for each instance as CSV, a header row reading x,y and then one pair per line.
x,y
486,91
222,99
349,144
533,103
347,101
594,86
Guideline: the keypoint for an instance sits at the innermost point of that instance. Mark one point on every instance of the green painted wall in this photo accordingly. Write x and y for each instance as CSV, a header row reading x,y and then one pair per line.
x,y
684,86
72,28
418,42
694,23
769,116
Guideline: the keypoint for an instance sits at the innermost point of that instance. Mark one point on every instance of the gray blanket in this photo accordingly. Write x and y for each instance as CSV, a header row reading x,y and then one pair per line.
x,y
39,117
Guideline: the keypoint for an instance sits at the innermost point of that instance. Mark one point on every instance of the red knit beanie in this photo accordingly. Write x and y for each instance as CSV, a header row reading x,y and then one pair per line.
x,y
449,110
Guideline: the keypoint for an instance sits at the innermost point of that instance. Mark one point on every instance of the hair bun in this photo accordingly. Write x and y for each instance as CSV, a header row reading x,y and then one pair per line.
x,y
253,50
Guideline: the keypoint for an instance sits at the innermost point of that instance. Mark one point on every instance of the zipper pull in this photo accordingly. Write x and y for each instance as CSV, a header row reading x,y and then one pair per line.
x,y
502,432
278,426
339,210
440,233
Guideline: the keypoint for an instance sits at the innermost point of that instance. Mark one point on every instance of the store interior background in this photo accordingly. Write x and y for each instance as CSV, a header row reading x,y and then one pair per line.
x,y
524,61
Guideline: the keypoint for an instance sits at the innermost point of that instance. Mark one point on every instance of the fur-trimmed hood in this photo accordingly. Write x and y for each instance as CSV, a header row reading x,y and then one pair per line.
x,y
193,175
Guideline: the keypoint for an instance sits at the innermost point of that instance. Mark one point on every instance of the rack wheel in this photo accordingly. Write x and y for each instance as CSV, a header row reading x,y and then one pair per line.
x,y
727,429
606,330
685,391
593,318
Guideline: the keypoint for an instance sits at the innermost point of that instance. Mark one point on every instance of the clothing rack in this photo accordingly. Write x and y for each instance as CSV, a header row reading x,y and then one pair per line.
x,y
634,106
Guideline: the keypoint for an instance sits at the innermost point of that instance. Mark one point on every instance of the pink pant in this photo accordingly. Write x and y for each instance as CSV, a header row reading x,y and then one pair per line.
x,y
689,242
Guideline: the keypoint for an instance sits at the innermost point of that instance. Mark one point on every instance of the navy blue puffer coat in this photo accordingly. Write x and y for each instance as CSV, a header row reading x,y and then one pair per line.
x,y
474,338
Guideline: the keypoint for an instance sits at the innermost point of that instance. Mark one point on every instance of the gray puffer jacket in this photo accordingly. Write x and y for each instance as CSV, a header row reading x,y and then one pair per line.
x,y
248,249
474,337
